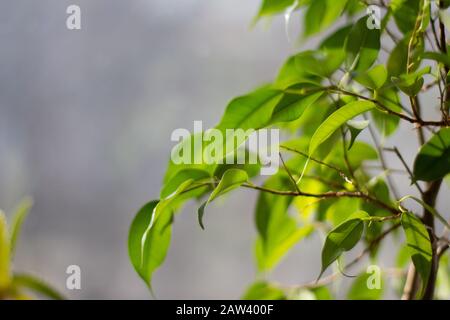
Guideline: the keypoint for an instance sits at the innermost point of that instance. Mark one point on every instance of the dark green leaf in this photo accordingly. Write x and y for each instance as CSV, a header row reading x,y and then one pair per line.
x,y
343,238
433,160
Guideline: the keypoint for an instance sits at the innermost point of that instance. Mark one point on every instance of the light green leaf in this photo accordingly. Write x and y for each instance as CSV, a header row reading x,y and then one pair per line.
x,y
231,179
419,245
147,248
343,238
252,111
36,285
17,221
337,119
386,123
270,7
429,208
374,78
294,102
412,83
321,14
433,160
405,13
361,291
181,177
5,259
362,46
263,291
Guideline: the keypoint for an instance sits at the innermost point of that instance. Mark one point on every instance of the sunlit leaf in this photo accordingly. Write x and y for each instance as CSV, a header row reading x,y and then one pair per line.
x,y
17,221
37,286
264,291
336,120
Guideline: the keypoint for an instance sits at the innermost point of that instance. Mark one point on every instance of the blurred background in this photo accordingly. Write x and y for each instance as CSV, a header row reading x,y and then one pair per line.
x,y
85,124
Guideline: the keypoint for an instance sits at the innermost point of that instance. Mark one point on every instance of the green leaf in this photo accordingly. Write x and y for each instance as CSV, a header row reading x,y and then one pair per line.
x,y
321,14
374,78
270,7
17,221
319,63
337,119
386,123
37,285
252,111
356,127
181,177
419,245
295,102
361,291
343,238
5,247
148,248
263,291
412,83
429,208
362,46
277,231
231,179
433,160
405,13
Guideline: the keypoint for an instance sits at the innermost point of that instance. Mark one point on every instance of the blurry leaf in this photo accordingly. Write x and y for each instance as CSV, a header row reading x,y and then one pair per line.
x,y
356,127
231,179
17,221
292,105
397,61
270,7
438,57
37,285
419,245
5,272
322,293
321,14
373,78
278,232
362,46
361,291
337,119
264,291
147,248
412,83
386,123
342,238
405,13
433,160
252,111
321,63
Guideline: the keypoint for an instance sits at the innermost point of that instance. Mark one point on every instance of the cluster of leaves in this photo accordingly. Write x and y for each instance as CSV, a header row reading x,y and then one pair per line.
x,y
333,182
18,285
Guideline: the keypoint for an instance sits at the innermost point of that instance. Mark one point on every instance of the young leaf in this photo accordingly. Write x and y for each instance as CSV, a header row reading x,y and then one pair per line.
x,y
181,177
17,221
337,119
433,160
270,7
5,272
37,285
419,245
362,46
231,179
343,238
147,248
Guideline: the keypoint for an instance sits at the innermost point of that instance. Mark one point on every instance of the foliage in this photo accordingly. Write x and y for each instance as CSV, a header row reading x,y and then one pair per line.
x,y
333,104
17,285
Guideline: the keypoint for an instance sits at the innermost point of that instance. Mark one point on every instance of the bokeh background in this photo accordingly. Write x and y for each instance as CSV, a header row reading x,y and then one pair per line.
x,y
85,124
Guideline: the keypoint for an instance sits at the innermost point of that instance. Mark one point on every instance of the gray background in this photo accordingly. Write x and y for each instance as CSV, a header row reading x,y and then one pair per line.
x,y
85,124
